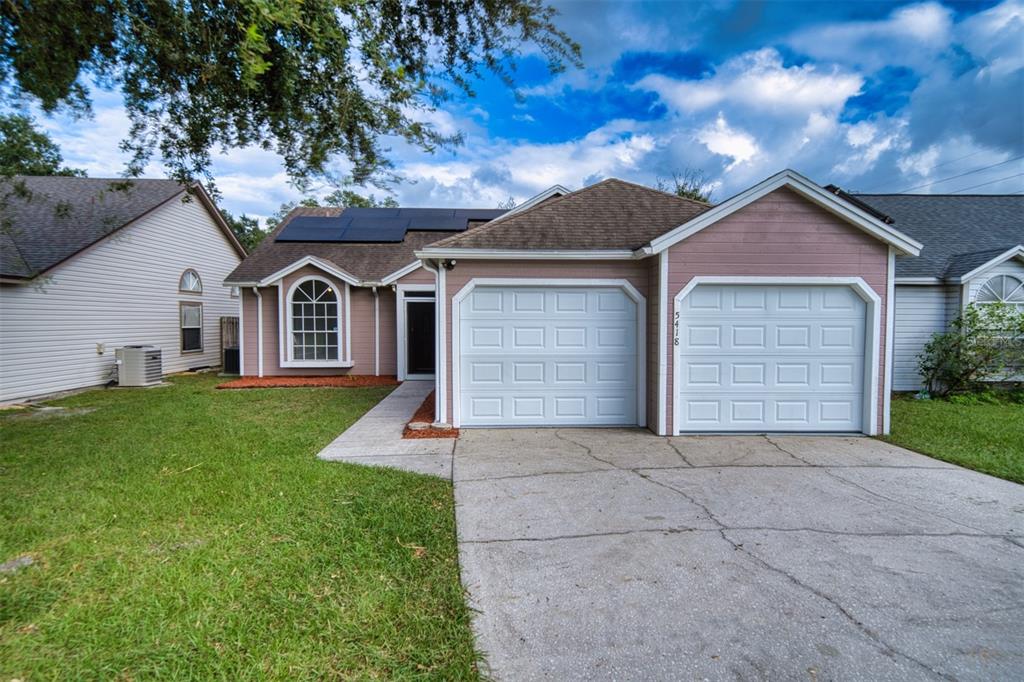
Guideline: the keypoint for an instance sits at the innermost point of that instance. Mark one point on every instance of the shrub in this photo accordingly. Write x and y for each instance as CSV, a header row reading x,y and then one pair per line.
x,y
985,343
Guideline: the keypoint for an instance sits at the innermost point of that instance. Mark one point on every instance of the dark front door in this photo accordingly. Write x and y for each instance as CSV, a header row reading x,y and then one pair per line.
x,y
419,337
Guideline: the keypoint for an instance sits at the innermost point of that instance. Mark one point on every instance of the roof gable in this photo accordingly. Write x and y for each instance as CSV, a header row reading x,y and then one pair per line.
x,y
48,220
612,215
970,265
854,215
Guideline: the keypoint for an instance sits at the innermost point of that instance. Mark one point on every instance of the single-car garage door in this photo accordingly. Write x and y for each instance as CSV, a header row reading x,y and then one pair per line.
x,y
770,358
547,356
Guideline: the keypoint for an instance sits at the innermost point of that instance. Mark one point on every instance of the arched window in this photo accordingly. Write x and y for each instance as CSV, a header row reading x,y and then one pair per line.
x,y
190,282
1002,289
313,307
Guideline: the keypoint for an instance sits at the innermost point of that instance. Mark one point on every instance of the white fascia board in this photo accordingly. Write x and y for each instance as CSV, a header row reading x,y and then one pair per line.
x,y
809,190
554,190
516,254
1015,252
401,272
314,261
918,281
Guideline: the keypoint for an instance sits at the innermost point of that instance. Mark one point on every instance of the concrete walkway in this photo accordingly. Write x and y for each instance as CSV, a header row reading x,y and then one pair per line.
x,y
601,554
376,438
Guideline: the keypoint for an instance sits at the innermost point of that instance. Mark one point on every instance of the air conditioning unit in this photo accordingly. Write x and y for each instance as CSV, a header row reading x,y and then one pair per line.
x,y
139,365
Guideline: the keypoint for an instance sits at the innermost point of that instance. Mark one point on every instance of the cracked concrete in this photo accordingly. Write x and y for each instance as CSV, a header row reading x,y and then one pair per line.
x,y
615,554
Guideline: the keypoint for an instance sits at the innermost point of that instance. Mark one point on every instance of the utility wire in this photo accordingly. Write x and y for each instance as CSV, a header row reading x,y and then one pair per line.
x,y
944,163
990,182
954,177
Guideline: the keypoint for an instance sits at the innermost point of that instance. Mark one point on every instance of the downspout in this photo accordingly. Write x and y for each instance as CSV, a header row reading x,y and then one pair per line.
x,y
259,330
376,333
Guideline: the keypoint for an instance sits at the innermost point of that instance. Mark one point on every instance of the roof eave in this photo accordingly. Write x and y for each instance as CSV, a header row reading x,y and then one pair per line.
x,y
1013,252
532,254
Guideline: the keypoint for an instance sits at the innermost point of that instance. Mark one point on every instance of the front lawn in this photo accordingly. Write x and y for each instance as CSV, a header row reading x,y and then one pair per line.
x,y
984,437
183,532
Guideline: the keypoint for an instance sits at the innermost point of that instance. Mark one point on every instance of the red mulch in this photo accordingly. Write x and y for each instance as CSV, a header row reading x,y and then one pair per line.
x,y
425,413
346,381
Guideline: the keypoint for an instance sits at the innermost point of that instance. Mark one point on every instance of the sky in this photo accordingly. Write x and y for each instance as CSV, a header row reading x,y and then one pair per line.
x,y
872,96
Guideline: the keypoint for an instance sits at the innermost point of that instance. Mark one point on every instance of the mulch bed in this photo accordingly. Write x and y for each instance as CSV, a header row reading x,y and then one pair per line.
x,y
347,381
425,413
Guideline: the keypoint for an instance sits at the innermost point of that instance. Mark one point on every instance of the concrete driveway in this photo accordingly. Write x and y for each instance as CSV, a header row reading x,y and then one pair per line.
x,y
615,554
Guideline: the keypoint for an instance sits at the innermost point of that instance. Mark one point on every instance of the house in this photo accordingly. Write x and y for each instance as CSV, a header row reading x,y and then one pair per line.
x,y
613,305
88,265
973,253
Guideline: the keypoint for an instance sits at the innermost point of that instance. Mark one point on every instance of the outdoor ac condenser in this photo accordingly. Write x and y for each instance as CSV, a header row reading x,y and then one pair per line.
x,y
139,365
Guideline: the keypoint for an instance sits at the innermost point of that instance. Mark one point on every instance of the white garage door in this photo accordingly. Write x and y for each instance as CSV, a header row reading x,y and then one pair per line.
x,y
539,356
771,358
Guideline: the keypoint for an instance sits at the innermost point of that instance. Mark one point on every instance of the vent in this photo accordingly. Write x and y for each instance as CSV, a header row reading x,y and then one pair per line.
x,y
139,365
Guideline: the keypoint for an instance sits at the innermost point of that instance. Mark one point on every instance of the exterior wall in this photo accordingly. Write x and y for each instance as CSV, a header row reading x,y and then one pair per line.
x,y
1014,267
653,300
780,234
120,291
362,326
636,272
920,311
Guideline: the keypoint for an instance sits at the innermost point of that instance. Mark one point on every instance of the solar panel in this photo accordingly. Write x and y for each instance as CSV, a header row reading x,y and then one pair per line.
x,y
313,229
381,225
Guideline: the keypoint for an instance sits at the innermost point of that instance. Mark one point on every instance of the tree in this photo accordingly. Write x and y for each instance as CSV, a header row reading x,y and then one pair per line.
x,y
247,229
984,343
689,184
27,151
311,79
339,197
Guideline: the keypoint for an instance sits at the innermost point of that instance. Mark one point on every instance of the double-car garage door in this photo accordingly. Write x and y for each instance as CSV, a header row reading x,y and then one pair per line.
x,y
547,356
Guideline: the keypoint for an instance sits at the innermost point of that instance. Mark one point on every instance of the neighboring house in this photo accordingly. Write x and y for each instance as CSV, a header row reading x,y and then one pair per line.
x,y
88,265
612,305
972,253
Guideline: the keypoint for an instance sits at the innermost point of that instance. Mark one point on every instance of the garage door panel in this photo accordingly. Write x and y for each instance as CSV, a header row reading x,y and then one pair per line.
x,y
539,356
755,358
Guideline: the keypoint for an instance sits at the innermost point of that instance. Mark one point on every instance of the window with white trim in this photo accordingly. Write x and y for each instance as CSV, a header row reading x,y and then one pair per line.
x,y
190,282
191,327
1002,289
315,321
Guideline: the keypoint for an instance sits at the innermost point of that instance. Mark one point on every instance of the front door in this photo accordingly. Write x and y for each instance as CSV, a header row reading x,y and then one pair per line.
x,y
419,338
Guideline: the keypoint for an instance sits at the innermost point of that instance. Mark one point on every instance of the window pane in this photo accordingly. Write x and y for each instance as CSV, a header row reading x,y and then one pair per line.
x,y
332,353
191,316
191,339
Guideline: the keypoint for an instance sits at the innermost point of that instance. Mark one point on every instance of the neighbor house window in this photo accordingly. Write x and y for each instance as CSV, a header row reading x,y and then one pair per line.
x,y
314,321
1002,289
191,327
190,282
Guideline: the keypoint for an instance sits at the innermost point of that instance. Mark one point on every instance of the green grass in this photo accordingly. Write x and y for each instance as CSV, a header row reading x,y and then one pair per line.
x,y
985,437
188,533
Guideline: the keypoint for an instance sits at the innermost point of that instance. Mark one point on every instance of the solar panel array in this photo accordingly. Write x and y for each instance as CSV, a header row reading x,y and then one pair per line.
x,y
381,225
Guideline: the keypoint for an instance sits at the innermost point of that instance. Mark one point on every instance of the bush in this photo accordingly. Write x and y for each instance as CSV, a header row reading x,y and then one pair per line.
x,y
984,344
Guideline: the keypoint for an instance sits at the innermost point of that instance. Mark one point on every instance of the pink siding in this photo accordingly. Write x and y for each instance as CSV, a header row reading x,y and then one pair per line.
x,y
362,326
779,234
636,272
653,297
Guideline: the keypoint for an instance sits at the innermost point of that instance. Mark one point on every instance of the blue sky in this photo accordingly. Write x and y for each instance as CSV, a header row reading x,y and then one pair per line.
x,y
874,96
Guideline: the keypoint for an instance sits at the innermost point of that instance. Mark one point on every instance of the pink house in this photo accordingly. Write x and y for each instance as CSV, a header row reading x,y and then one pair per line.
x,y
612,305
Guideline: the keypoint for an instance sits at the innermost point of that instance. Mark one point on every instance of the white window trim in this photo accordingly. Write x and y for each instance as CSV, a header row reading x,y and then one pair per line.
x,y
343,312
983,284
181,328
400,317
631,291
181,280
872,334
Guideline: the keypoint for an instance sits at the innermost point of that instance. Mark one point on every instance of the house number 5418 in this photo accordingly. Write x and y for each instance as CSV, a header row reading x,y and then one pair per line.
x,y
675,328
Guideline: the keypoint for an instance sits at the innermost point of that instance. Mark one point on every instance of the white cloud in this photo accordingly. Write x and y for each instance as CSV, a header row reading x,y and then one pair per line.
x,y
759,80
725,141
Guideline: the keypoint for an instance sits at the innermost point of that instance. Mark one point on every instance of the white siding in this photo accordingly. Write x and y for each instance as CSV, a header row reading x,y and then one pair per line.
x,y
920,312
1011,267
123,290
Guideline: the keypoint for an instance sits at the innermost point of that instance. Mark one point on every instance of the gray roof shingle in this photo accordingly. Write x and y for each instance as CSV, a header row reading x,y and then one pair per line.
x,y
59,216
956,229
611,215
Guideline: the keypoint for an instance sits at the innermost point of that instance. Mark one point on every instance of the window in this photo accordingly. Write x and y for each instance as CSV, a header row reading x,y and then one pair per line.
x,y
191,327
314,321
190,282
1002,289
